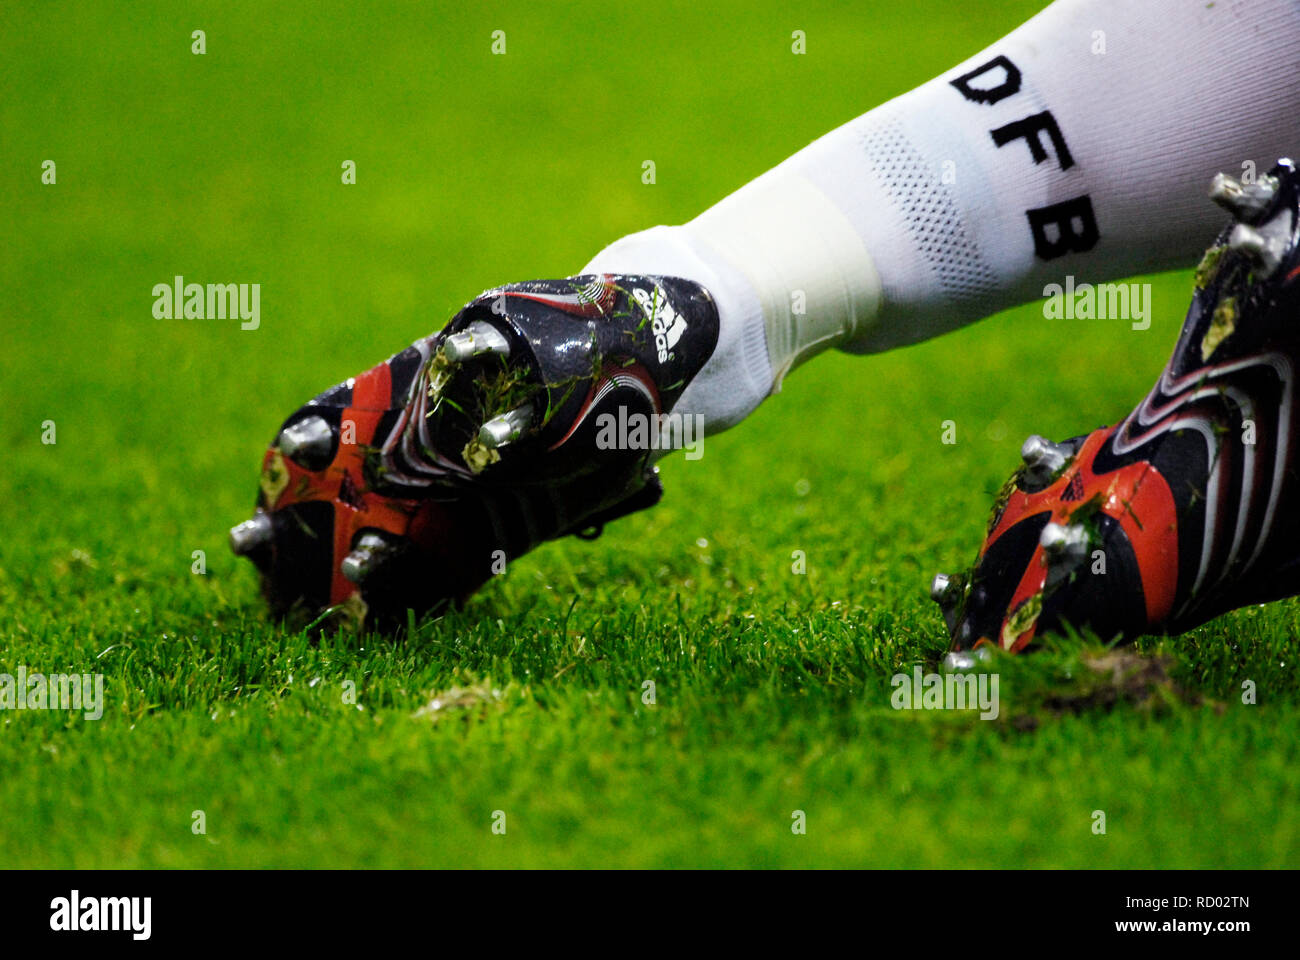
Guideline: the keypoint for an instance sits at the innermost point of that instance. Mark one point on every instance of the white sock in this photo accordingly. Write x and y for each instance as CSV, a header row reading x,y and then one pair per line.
x,y
912,220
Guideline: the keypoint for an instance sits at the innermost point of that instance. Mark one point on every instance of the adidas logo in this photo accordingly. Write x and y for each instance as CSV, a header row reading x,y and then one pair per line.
x,y
668,325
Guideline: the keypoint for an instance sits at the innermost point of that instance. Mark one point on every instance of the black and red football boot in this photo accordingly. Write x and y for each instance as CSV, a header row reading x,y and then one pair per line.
x,y
410,485
1190,506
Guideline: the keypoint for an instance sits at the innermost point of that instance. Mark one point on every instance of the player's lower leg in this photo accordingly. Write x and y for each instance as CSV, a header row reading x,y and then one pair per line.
x,y
945,205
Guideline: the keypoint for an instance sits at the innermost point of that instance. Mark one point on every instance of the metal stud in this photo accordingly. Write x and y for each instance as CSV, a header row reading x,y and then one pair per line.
x,y
1245,201
1043,458
364,557
1066,547
477,338
960,661
1060,539
1254,244
248,536
506,428
307,442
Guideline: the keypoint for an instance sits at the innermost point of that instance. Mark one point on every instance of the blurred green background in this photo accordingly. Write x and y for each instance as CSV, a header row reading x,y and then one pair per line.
x,y
475,169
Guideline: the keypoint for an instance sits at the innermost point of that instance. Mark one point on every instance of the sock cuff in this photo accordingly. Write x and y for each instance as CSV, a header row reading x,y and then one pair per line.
x,y
804,261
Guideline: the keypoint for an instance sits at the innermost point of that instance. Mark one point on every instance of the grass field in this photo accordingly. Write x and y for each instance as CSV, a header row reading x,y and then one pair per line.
x,y
772,688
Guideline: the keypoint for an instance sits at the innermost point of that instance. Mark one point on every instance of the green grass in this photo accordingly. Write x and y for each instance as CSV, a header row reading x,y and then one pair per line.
x,y
772,689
